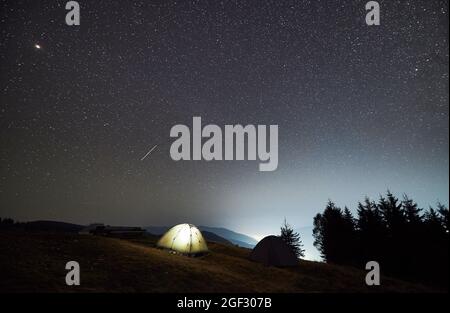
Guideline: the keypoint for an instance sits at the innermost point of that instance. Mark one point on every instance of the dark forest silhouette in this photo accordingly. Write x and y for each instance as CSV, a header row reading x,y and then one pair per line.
x,y
407,242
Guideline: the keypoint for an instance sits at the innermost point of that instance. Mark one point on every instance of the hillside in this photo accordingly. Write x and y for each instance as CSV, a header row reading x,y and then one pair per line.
x,y
50,226
35,263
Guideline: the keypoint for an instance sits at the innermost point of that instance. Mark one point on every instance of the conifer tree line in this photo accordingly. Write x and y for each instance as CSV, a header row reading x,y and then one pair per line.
x,y
407,241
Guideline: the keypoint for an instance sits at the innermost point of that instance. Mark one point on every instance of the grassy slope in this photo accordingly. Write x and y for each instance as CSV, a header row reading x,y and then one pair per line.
x,y
36,262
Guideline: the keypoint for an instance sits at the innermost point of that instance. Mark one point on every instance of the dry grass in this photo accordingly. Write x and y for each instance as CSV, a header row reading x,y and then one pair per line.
x,y
32,262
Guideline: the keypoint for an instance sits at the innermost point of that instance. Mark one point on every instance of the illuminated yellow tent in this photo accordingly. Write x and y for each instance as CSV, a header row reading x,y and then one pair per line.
x,y
185,239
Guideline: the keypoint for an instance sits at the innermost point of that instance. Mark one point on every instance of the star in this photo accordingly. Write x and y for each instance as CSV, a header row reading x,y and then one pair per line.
x,y
87,104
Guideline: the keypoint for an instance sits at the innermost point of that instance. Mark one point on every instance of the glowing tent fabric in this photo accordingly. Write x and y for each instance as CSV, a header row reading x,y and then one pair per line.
x,y
184,238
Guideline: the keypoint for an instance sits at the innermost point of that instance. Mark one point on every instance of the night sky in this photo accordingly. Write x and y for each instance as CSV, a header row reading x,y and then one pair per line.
x,y
360,109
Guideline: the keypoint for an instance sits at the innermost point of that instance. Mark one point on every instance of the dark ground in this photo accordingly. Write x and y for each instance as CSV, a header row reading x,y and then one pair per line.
x,y
35,262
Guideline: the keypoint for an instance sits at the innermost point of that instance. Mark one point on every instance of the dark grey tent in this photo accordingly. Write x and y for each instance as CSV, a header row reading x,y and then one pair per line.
x,y
272,250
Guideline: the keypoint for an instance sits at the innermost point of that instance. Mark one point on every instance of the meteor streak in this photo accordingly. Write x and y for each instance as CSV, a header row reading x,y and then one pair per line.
x,y
148,153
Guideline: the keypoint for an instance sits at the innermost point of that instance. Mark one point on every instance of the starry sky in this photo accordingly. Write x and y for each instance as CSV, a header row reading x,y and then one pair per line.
x,y
360,109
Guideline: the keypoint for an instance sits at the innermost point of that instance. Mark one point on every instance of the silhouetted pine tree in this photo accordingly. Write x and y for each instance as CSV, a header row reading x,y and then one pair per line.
x,y
443,211
348,217
393,214
396,232
434,222
328,232
292,239
412,212
371,231
410,239
436,249
349,238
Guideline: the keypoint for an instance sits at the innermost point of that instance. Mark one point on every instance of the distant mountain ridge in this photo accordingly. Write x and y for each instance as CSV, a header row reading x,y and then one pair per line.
x,y
52,226
217,234
156,230
214,234
213,237
238,239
